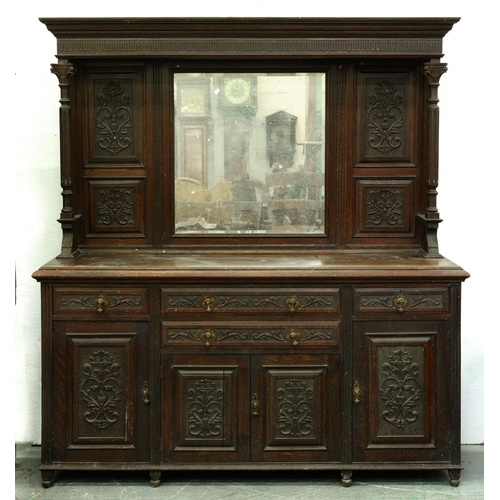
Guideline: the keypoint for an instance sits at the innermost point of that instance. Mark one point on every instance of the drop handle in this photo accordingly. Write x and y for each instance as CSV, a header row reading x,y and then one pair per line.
x,y
208,303
208,336
400,302
293,303
100,303
255,405
293,337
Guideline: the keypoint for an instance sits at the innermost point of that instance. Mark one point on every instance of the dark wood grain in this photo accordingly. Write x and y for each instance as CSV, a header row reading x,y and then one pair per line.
x,y
337,351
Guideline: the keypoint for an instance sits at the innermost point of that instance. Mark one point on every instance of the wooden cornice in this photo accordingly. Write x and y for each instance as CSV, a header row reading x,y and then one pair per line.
x,y
249,37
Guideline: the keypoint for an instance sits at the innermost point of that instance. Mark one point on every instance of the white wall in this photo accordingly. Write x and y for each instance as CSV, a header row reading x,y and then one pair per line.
x,y
469,172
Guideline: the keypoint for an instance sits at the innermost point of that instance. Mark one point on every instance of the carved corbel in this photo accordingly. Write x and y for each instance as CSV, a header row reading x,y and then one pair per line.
x,y
69,222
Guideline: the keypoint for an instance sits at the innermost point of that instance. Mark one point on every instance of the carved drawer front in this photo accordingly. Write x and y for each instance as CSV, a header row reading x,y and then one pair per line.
x,y
401,300
231,301
100,301
242,333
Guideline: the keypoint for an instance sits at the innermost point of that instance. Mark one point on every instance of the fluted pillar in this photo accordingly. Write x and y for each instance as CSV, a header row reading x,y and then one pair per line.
x,y
69,221
433,71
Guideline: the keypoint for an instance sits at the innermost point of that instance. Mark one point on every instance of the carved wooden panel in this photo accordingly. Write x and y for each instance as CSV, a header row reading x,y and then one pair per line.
x,y
101,383
294,406
401,301
116,208
265,333
116,116
281,47
101,370
386,117
298,408
231,300
113,117
205,407
102,301
402,397
401,390
384,207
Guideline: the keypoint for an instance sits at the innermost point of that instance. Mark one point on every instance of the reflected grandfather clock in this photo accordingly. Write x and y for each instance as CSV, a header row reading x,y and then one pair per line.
x,y
238,105
193,105
281,139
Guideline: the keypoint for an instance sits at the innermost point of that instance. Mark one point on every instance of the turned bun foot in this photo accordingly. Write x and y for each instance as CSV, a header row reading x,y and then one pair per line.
x,y
346,478
47,477
155,478
454,477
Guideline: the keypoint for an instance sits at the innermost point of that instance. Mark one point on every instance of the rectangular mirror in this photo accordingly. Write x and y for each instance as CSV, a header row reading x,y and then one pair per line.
x,y
249,153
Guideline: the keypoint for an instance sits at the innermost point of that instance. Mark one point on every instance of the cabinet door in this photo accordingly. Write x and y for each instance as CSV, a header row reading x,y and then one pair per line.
x,y
295,408
99,372
205,408
400,391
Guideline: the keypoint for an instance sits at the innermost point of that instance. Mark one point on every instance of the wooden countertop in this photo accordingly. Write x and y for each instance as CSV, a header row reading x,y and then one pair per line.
x,y
157,265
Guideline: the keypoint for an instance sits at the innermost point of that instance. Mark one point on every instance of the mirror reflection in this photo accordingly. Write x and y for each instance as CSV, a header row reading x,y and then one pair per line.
x,y
249,153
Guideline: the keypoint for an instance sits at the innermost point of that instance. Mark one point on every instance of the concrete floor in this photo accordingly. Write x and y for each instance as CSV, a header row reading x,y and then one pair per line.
x,y
427,485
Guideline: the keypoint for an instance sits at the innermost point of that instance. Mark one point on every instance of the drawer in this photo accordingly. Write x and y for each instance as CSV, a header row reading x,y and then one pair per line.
x,y
256,334
401,300
100,301
248,301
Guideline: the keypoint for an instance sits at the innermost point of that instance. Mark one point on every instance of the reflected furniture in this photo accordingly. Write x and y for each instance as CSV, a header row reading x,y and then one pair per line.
x,y
296,198
306,320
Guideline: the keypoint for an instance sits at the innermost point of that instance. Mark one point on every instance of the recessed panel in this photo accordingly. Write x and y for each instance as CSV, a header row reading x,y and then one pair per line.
x,y
205,405
399,392
384,207
101,372
386,118
116,117
101,378
116,207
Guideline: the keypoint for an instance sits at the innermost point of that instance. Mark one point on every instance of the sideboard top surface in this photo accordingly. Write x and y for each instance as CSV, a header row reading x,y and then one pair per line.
x,y
252,264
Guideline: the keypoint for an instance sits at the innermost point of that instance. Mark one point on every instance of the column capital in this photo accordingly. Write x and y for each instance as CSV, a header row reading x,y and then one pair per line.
x,y
434,71
63,71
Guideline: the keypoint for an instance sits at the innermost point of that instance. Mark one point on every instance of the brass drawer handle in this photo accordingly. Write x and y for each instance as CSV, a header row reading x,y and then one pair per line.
x,y
207,336
145,393
255,405
100,303
293,303
293,337
356,393
400,302
208,303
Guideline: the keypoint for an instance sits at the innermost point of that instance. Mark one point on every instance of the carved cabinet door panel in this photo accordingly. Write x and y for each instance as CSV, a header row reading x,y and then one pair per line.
x,y
100,400
295,408
205,408
400,392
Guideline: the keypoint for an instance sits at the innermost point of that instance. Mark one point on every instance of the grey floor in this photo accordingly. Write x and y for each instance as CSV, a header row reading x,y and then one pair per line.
x,y
245,486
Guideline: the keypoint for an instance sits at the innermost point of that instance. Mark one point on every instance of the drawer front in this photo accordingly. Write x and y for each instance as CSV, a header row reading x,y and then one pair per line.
x,y
401,300
238,301
242,334
100,301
